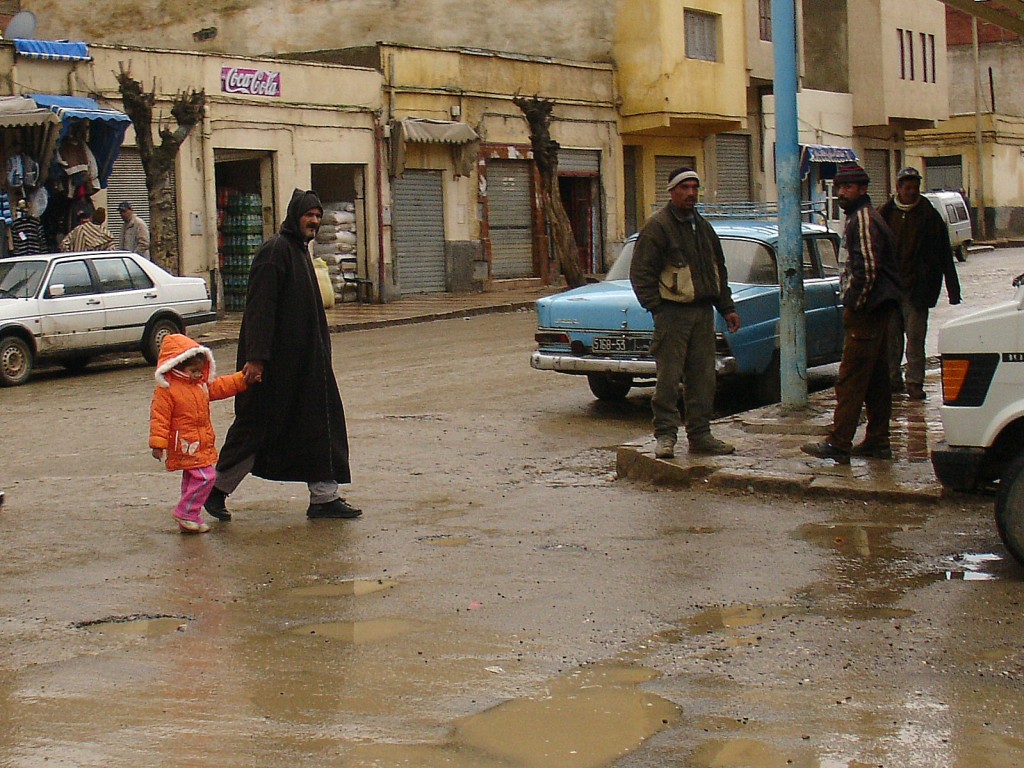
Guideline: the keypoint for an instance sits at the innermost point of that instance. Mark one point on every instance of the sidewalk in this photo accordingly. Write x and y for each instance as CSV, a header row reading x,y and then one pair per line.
x,y
768,458
352,316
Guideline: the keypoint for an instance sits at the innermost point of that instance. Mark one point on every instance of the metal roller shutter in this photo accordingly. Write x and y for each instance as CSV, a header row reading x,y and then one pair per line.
x,y
663,166
128,182
876,163
418,225
579,161
943,172
510,218
732,152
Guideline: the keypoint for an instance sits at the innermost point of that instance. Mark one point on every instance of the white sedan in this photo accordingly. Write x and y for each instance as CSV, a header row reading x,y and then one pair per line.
x,y
70,307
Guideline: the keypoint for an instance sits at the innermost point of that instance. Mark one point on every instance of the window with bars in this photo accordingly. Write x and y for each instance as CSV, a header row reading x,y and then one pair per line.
x,y
908,60
701,32
764,19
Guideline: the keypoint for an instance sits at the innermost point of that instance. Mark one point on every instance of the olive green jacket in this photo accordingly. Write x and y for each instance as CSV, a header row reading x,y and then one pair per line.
x,y
669,239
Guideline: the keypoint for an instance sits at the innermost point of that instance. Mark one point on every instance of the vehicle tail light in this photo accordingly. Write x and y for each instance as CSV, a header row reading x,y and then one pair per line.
x,y
543,337
954,374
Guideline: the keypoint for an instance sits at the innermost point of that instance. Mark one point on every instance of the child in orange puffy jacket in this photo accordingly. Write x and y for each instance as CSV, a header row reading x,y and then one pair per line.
x,y
180,428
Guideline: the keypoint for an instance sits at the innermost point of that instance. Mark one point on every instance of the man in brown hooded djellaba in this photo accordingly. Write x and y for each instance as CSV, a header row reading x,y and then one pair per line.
x,y
290,424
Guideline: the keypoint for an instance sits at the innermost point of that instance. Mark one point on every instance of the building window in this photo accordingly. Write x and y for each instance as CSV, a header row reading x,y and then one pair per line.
x,y
764,19
903,55
701,30
908,61
910,54
931,52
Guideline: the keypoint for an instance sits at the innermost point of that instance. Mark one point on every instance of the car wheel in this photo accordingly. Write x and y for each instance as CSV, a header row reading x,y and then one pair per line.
x,y
606,387
768,386
1010,508
15,361
961,253
75,364
155,336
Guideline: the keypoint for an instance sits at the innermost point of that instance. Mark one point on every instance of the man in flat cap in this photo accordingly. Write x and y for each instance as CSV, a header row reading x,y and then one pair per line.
x,y
925,258
871,292
678,274
290,424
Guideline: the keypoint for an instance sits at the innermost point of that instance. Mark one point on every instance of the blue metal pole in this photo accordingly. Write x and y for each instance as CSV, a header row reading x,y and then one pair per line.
x,y
792,326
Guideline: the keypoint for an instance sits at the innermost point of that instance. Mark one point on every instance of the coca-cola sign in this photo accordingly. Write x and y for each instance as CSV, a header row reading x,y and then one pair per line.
x,y
250,82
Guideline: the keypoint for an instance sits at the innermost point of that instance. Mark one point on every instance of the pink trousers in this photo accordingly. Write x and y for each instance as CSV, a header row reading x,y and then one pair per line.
x,y
196,485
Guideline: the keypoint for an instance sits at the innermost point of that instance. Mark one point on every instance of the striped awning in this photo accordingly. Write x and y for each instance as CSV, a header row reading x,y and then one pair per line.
x,y
80,108
52,50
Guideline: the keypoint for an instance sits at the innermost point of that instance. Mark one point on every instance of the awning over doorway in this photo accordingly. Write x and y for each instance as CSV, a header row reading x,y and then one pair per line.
x,y
107,126
459,136
440,131
16,111
829,156
52,50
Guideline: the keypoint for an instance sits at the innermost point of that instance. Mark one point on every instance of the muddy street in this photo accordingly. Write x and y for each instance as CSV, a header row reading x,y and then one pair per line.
x,y
504,601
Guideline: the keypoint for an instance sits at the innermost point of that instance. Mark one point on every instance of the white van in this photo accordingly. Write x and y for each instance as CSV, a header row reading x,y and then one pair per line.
x,y
953,209
983,410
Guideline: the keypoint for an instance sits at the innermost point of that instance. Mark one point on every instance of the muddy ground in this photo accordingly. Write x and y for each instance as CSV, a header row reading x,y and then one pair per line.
x,y
504,601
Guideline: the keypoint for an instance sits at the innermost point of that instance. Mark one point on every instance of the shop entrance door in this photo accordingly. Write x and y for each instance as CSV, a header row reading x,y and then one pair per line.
x,y
418,231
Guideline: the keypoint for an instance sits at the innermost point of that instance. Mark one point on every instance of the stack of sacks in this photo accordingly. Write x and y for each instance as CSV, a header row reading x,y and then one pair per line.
x,y
336,243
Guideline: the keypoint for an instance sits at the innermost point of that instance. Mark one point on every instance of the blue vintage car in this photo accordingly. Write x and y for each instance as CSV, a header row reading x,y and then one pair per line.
x,y
600,330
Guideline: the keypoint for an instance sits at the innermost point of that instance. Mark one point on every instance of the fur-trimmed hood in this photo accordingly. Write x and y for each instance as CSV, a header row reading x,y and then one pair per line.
x,y
176,349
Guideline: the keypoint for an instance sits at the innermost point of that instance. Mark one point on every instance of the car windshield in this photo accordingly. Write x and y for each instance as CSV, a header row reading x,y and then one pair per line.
x,y
20,279
748,261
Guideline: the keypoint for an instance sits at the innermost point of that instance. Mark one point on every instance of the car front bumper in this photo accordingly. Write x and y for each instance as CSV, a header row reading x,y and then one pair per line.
x,y
645,368
957,467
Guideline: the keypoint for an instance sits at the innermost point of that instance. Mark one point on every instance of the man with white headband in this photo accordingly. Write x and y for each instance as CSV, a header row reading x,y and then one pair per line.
x,y
678,274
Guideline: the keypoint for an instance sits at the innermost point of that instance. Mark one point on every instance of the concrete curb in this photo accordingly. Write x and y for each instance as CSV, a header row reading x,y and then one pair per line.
x,y
768,459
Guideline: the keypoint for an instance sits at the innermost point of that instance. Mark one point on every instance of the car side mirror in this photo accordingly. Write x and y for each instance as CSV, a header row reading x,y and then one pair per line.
x,y
54,291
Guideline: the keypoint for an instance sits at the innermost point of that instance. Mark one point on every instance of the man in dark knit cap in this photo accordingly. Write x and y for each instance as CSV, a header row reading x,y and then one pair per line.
x,y
871,291
925,257
290,424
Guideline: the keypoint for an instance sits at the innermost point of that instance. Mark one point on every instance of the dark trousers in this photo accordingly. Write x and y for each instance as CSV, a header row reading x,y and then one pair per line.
x,y
684,347
863,378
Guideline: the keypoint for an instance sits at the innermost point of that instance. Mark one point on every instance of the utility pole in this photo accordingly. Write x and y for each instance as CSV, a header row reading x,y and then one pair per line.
x,y
792,324
979,161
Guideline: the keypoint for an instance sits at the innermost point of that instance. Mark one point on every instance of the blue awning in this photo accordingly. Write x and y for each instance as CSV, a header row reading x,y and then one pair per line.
x,y
822,153
52,50
107,130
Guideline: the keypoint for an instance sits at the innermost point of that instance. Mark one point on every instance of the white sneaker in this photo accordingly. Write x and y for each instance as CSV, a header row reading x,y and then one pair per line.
x,y
191,526
665,448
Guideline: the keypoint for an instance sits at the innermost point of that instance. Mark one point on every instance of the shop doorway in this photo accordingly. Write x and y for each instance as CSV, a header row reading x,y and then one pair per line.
x,y
341,241
245,218
577,193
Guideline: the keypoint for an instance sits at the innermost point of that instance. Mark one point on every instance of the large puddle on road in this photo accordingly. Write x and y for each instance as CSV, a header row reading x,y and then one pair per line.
x,y
588,718
136,626
358,632
349,588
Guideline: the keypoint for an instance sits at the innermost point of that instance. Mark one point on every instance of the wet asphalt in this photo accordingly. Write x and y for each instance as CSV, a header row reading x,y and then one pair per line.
x,y
504,601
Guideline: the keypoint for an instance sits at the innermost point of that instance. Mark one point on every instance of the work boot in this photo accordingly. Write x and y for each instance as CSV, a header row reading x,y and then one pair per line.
x,y
872,451
665,448
710,445
916,392
825,450
897,387
215,506
336,508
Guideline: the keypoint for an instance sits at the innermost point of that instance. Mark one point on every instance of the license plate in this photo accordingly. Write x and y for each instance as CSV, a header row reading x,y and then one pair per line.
x,y
620,344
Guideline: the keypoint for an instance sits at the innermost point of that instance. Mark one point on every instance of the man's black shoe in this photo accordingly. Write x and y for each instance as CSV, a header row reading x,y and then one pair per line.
x,y
872,451
215,506
338,508
825,450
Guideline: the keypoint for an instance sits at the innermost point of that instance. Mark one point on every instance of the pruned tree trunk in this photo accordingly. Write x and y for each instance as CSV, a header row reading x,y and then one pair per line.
x,y
545,155
158,159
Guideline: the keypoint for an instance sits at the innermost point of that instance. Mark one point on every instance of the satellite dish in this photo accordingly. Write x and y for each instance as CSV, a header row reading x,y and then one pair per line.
x,y
21,27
